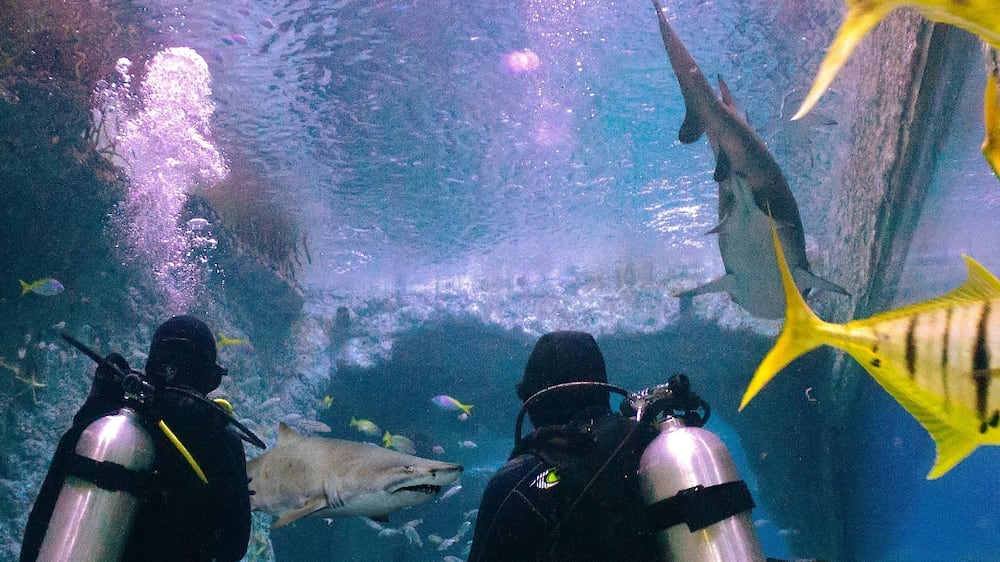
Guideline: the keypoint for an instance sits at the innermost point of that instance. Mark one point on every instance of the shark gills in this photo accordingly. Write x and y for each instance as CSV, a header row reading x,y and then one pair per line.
x,y
938,358
322,477
751,186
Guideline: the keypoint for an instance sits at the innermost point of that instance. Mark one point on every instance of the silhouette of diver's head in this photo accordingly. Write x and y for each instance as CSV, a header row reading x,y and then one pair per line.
x,y
561,357
183,353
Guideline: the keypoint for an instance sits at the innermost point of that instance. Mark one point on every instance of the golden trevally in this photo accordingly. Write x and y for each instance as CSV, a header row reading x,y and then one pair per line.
x,y
938,358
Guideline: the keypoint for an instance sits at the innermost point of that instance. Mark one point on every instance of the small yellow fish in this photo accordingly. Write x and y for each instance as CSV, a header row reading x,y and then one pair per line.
x,y
367,427
937,358
400,443
991,119
326,402
224,341
981,17
46,287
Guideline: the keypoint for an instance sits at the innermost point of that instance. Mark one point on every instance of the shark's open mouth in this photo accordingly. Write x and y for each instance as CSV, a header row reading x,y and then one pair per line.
x,y
421,489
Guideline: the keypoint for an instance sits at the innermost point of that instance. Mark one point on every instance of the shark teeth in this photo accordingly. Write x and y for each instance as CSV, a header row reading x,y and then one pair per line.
x,y
421,489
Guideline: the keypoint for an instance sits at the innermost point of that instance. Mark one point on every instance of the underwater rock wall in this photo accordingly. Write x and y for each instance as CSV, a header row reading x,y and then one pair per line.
x,y
901,87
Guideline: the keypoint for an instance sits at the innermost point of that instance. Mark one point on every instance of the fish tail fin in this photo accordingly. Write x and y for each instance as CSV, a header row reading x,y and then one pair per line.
x,y
952,447
861,18
467,408
803,330
25,288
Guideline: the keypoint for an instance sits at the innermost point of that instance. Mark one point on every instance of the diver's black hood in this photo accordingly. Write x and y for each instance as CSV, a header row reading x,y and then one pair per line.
x,y
183,353
561,357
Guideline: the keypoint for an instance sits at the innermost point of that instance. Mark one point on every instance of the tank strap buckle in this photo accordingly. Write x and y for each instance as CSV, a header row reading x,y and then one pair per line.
x,y
699,506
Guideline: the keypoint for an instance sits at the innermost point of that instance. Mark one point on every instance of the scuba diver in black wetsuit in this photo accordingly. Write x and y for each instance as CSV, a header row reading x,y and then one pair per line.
x,y
176,467
569,491
650,484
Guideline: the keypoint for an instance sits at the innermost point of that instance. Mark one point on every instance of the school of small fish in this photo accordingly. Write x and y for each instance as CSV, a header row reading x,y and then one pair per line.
x,y
408,531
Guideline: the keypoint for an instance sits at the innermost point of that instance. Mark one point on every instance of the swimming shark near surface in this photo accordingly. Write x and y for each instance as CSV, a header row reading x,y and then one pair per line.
x,y
322,477
750,183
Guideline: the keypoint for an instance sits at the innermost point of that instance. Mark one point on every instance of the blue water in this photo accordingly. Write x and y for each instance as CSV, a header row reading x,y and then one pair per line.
x,y
455,178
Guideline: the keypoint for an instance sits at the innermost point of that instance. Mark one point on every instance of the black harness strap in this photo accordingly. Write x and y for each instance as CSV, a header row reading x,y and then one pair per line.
x,y
699,506
111,476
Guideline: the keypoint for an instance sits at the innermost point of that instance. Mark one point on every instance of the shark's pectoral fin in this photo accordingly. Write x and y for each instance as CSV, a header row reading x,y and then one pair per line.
x,y
721,227
724,284
692,128
312,506
809,280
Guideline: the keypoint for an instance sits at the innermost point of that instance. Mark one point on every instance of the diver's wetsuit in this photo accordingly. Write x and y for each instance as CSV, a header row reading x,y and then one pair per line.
x,y
568,493
180,518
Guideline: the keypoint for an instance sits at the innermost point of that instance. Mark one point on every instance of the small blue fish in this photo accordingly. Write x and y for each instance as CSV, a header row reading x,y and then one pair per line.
x,y
446,402
46,287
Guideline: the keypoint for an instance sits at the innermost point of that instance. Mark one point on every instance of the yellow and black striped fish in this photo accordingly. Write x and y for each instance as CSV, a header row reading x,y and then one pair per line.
x,y
938,359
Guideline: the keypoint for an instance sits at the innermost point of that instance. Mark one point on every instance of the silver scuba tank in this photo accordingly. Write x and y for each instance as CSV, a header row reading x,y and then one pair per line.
x,y
698,505
90,522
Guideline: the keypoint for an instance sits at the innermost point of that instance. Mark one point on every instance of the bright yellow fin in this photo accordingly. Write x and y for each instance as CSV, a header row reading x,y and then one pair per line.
x,y
861,18
942,421
991,120
980,17
980,285
952,445
800,334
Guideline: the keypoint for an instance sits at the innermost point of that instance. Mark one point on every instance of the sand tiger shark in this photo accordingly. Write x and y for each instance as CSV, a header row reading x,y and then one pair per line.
x,y
322,477
750,183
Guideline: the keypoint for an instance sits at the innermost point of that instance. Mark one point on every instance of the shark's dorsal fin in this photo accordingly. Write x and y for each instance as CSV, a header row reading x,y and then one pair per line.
x,y
727,94
286,433
729,101
312,506
723,166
